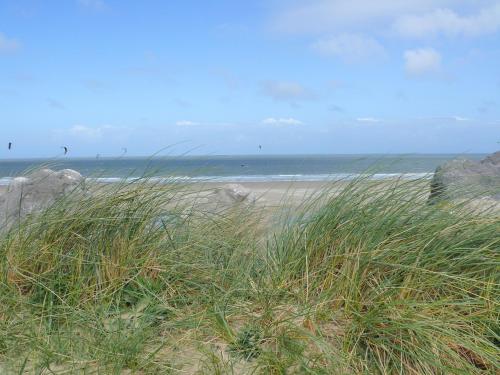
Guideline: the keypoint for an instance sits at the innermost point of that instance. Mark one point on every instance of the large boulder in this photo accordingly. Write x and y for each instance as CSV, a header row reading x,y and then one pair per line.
x,y
26,195
463,179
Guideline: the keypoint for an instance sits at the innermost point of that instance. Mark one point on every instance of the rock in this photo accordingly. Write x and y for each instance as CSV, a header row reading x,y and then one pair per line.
x,y
463,178
492,160
234,193
26,195
218,200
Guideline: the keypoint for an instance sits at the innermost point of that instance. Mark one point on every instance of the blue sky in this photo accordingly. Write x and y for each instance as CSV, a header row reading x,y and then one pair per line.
x,y
222,77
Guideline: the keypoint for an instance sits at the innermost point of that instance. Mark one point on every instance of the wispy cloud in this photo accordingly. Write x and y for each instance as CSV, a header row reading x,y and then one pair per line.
x,y
422,61
335,108
324,16
230,80
207,125
409,18
281,121
368,119
186,123
95,85
53,103
25,78
8,45
182,102
486,106
335,84
449,23
460,118
93,134
453,118
288,91
86,133
349,47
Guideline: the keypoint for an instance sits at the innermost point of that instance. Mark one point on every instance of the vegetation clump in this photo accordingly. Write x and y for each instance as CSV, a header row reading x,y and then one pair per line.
x,y
138,278
247,343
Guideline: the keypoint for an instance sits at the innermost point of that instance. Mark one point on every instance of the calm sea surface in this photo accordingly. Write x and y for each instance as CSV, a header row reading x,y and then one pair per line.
x,y
239,168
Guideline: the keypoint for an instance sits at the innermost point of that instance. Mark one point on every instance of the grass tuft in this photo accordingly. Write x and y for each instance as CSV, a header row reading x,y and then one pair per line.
x,y
141,278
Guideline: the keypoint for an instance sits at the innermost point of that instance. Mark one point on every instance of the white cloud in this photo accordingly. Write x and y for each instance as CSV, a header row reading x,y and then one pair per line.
x,y
319,16
349,47
449,23
186,123
92,134
285,90
460,119
205,124
448,119
281,121
8,45
422,61
368,119
86,133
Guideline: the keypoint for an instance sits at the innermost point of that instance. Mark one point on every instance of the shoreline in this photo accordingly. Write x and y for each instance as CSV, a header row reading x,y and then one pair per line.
x,y
268,193
238,179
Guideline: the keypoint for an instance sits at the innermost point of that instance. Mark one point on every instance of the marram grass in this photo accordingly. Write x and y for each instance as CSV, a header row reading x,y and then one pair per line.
x,y
139,279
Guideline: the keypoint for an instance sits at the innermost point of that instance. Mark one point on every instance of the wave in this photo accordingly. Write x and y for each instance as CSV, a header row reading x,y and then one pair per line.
x,y
4,181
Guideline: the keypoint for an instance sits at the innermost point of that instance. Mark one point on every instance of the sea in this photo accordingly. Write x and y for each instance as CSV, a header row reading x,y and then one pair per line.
x,y
241,168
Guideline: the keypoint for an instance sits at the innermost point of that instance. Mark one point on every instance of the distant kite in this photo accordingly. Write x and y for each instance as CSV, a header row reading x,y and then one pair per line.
x,y
260,147
124,149
10,145
65,149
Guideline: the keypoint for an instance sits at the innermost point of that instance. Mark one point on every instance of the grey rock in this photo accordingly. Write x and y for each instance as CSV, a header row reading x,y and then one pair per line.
x,y
463,178
30,194
234,193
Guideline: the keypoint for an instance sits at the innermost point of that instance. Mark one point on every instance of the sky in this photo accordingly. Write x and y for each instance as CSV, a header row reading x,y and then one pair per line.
x,y
225,76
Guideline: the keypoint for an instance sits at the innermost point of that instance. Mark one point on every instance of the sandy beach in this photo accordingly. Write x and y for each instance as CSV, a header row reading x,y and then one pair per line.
x,y
268,193
280,192
276,193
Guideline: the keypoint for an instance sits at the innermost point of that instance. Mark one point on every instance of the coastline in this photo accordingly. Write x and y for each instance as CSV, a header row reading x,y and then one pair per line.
x,y
269,193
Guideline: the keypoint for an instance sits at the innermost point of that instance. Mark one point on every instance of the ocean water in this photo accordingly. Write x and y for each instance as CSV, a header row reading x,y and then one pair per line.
x,y
239,168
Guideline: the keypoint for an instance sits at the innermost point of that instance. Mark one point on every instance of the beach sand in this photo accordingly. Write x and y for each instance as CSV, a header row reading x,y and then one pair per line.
x,y
268,193
274,193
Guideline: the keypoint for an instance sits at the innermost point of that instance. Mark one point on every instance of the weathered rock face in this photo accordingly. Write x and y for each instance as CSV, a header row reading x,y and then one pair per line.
x,y
35,192
464,178
234,193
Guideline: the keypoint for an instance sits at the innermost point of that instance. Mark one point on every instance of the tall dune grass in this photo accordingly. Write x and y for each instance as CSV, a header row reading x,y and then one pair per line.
x,y
140,278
